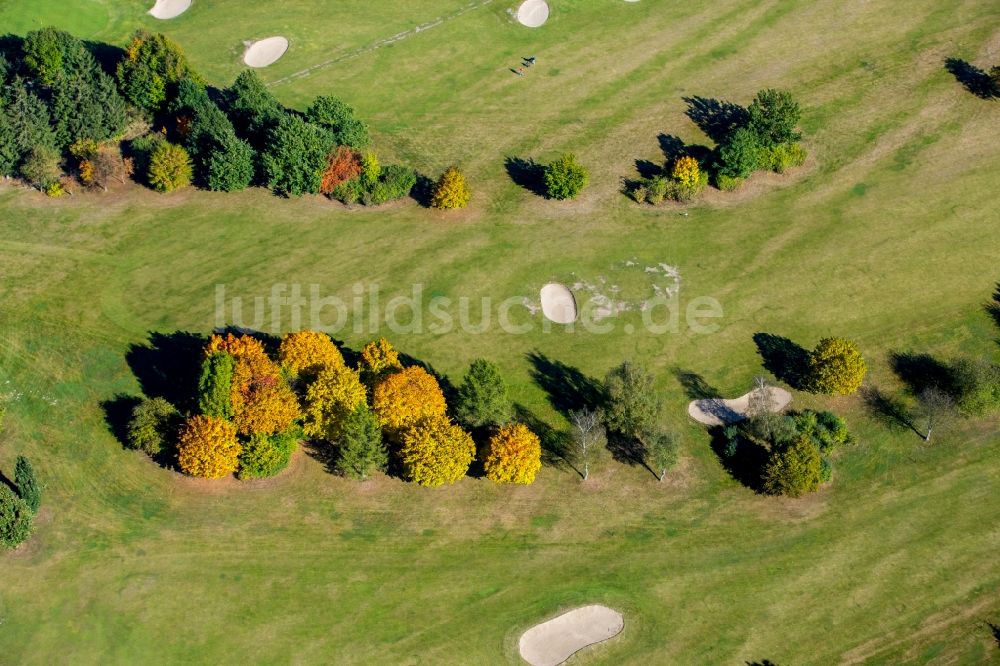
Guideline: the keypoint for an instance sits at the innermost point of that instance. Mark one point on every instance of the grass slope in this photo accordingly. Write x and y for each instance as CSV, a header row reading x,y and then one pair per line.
x,y
887,237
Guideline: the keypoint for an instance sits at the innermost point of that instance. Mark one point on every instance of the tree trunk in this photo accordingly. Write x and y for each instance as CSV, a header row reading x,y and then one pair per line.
x,y
586,471
663,473
927,437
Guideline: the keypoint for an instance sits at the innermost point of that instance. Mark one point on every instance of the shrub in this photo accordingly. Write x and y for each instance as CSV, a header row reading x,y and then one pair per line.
x,y
657,188
434,451
774,115
263,403
169,167
27,484
370,169
215,386
266,455
41,168
15,519
153,426
405,397
361,448
55,190
306,353
100,163
395,182
794,469
976,386
295,157
686,172
342,165
728,183
334,394
338,117
782,157
207,447
738,155
482,398
836,367
640,192
827,430
378,359
565,178
451,190
153,64
142,149
633,404
514,455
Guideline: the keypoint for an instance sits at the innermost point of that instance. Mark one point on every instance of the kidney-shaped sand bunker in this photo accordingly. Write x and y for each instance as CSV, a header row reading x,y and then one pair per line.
x,y
558,303
555,641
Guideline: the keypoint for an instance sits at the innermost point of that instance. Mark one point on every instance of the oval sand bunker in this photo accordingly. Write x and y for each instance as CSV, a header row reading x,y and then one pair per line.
x,y
533,13
718,412
555,641
168,9
558,303
265,52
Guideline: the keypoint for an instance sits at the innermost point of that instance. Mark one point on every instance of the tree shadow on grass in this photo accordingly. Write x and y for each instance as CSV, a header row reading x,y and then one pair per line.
x,y
783,358
526,173
993,307
568,388
118,413
995,629
745,462
695,386
975,80
324,453
628,449
557,445
647,169
762,662
168,367
922,371
716,118
423,191
887,410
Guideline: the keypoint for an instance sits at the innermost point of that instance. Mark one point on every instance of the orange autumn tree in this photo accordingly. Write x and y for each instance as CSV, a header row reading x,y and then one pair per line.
x,y
435,451
263,403
336,392
306,353
342,165
207,447
514,455
405,397
378,358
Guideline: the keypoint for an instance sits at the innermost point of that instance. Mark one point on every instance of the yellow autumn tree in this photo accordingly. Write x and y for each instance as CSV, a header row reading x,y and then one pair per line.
x,y
306,353
435,451
262,401
243,345
405,397
451,190
207,447
514,455
378,358
336,392
836,366
686,172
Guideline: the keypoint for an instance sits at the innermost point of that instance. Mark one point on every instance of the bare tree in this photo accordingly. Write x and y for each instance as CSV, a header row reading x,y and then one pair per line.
x,y
588,435
935,409
761,402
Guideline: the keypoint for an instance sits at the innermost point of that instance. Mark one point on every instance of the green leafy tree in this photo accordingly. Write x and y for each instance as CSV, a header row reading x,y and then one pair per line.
x,y
794,469
976,386
86,105
565,178
662,448
169,167
41,167
27,484
483,399
252,108
153,426
739,154
29,120
836,367
15,519
266,455
338,117
222,160
152,68
10,155
215,385
774,115
192,97
50,54
361,450
633,404
295,157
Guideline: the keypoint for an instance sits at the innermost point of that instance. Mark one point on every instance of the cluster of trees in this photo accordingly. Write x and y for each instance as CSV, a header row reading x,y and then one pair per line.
x,y
62,113
253,409
763,136
19,502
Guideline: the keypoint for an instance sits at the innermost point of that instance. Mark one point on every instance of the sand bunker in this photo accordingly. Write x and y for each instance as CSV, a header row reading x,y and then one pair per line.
x,y
168,9
533,13
265,52
717,412
557,640
558,303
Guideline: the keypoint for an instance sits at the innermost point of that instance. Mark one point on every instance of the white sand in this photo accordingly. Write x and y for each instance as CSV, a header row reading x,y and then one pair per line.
x,y
717,412
168,9
557,640
533,13
558,303
265,52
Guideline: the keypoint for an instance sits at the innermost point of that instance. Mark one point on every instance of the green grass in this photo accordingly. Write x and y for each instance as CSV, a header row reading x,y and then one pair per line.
x,y
887,236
